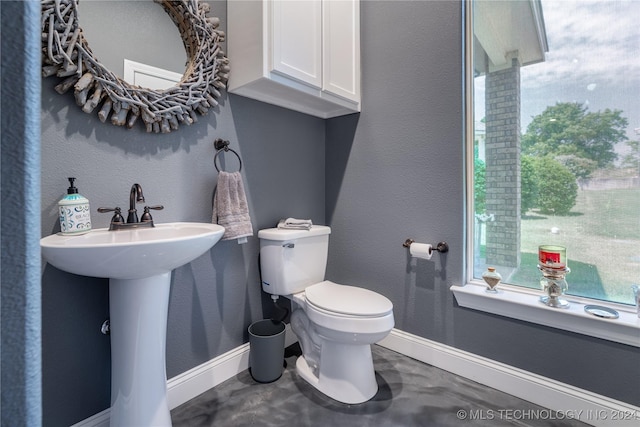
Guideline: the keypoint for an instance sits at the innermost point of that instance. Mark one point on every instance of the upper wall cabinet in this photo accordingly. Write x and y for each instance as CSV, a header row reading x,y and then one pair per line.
x,y
301,55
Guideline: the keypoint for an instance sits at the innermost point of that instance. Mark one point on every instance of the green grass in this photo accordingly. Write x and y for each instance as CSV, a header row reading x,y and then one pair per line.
x,y
602,237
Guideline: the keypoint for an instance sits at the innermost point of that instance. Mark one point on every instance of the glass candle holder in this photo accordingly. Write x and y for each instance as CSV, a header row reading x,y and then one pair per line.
x,y
554,286
552,257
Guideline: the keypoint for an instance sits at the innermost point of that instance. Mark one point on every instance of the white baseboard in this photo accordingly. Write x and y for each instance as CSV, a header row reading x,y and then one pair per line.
x,y
589,407
567,400
194,382
186,386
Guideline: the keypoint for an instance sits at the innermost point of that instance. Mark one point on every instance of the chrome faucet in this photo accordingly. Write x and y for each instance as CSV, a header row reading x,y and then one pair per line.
x,y
117,221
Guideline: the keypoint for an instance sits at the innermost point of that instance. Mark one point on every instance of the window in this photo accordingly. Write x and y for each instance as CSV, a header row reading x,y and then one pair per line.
x,y
555,118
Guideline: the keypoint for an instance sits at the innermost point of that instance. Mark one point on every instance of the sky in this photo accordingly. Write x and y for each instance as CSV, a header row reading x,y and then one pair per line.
x,y
593,58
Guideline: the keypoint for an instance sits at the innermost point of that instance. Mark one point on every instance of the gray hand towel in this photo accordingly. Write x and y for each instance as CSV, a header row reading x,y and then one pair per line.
x,y
230,208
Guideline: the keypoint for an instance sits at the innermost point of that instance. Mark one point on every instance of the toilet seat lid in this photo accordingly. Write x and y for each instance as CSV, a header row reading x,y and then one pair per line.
x,y
347,299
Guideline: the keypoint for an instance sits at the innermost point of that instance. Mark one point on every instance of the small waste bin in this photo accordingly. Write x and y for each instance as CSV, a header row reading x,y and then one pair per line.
x,y
266,350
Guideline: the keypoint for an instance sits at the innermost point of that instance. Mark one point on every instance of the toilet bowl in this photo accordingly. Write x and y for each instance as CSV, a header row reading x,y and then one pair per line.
x,y
336,339
335,324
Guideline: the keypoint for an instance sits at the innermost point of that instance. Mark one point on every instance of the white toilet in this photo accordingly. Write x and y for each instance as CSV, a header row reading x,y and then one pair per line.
x,y
335,324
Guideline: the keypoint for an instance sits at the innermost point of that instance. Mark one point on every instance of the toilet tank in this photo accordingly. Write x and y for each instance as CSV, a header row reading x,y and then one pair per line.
x,y
291,260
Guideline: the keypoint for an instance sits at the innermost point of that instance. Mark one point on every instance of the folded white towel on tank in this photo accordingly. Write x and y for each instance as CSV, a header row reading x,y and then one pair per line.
x,y
296,224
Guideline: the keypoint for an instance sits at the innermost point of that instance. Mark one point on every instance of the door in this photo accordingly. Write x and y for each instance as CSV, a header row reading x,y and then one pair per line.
x,y
296,40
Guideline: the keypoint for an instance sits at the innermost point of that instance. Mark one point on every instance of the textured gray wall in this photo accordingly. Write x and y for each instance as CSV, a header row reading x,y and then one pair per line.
x,y
397,171
394,171
215,298
400,174
21,303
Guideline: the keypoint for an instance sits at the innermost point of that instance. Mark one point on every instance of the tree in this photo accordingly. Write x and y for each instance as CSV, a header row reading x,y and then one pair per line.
x,y
557,187
579,166
528,184
569,129
547,185
632,159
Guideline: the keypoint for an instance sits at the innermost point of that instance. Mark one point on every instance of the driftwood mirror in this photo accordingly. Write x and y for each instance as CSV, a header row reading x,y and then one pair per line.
x,y
66,54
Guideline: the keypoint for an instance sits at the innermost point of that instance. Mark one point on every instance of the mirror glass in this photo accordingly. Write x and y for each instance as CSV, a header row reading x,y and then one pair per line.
x,y
140,32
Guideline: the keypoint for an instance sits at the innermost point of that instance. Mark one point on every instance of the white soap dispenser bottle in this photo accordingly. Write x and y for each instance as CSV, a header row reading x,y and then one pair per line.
x,y
75,215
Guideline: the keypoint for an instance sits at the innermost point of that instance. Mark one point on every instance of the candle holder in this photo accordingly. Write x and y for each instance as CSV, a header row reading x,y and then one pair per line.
x,y
554,286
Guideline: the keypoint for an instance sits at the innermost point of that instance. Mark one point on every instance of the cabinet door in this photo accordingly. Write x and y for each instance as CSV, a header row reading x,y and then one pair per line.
x,y
296,40
341,31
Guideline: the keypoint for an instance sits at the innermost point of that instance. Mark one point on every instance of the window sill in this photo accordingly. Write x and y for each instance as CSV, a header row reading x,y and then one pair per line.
x,y
524,304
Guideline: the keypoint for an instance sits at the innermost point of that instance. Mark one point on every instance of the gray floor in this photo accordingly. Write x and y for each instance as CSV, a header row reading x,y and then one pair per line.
x,y
410,393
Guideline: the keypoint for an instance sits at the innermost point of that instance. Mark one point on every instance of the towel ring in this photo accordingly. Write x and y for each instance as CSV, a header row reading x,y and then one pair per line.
x,y
223,145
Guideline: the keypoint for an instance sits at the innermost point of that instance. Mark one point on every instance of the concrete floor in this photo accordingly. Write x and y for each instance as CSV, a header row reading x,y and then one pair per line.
x,y
410,393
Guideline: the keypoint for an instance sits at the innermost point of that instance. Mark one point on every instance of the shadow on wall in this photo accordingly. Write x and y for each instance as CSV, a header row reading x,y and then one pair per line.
x,y
341,132
420,284
63,109
283,161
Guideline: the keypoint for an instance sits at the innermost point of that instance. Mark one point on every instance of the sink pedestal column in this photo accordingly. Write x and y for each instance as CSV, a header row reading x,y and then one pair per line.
x,y
138,319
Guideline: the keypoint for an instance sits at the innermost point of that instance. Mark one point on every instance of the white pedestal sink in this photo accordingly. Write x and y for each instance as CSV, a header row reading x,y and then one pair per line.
x,y
138,264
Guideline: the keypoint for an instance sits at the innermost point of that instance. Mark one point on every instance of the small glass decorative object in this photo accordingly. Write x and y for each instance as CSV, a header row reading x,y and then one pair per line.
x,y
491,278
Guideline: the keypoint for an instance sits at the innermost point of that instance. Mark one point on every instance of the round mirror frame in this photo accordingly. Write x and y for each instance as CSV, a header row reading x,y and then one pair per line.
x,y
66,54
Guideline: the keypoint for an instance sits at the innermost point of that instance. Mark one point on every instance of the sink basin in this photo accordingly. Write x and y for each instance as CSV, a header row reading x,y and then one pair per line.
x,y
138,263
130,254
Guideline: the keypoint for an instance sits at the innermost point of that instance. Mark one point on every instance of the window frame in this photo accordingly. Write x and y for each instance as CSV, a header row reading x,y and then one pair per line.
x,y
515,301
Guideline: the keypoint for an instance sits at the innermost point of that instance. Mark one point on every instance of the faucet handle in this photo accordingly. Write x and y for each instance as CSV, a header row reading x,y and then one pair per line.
x,y
117,216
146,216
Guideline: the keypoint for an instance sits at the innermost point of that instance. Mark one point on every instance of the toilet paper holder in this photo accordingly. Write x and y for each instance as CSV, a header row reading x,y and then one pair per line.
x,y
441,247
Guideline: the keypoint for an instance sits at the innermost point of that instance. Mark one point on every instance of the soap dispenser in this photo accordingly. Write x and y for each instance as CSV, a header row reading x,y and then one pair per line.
x,y
75,216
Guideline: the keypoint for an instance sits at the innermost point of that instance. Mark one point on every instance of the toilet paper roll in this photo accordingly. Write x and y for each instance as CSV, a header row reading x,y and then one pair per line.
x,y
421,250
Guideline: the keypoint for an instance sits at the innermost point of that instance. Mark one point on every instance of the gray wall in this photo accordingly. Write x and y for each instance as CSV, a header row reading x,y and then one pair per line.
x,y
394,171
399,173
213,299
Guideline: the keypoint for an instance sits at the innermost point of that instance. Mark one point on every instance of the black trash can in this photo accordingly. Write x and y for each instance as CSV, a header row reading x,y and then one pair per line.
x,y
266,350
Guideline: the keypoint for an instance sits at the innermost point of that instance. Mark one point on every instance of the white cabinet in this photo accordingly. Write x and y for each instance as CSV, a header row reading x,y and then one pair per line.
x,y
303,55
